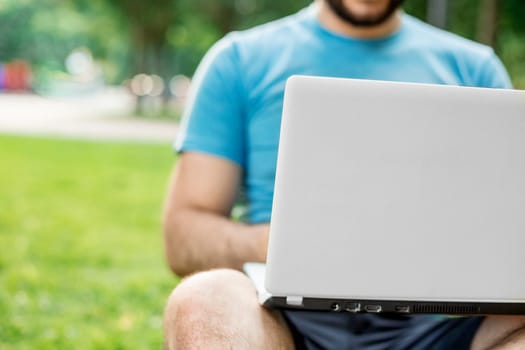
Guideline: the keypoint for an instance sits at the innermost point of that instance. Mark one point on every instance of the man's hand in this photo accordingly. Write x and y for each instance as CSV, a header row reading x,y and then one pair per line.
x,y
263,231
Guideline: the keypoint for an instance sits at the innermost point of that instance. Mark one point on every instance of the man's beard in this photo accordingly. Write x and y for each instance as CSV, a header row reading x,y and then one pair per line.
x,y
343,13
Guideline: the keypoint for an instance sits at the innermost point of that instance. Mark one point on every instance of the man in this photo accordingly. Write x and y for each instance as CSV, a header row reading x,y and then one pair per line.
x,y
229,141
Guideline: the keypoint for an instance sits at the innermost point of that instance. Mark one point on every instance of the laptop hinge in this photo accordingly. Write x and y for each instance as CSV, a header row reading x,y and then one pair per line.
x,y
294,300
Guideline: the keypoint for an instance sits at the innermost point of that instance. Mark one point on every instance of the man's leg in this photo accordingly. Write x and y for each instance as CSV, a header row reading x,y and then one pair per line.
x,y
500,333
219,310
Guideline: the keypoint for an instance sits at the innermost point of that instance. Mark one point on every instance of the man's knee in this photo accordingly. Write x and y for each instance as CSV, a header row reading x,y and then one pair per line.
x,y
209,289
219,309
206,298
500,332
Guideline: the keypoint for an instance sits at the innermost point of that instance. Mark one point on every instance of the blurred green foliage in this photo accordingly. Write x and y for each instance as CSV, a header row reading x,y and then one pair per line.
x,y
44,32
169,37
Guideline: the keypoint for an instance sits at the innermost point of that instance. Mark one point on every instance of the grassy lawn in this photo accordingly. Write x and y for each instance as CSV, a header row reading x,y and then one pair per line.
x,y
81,259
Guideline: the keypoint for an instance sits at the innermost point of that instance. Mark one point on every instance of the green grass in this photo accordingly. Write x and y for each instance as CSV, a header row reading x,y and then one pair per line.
x,y
81,259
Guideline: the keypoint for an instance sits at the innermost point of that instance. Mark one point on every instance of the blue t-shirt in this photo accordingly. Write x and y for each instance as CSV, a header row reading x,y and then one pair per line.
x,y
234,111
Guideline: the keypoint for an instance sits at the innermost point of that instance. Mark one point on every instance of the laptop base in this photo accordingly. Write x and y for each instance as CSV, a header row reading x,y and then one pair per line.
x,y
399,307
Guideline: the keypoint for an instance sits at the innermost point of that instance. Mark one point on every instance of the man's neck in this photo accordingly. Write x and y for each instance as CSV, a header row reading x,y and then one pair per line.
x,y
332,22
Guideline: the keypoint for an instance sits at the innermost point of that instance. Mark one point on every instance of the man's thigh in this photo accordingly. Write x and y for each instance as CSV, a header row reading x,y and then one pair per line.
x,y
317,330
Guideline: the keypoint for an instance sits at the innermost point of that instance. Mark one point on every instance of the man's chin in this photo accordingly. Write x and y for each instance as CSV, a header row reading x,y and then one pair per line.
x,y
363,20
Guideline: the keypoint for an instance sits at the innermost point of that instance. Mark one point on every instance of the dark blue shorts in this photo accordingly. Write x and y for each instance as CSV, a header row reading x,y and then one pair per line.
x,y
319,330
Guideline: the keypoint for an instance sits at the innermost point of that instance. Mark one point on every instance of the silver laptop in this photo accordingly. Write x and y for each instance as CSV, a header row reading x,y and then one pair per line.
x,y
397,197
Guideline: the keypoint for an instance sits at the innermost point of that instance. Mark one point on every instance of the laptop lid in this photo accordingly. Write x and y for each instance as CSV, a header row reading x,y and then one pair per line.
x,y
399,192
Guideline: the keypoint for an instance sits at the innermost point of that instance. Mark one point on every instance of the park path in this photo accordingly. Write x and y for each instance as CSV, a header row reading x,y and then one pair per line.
x,y
97,117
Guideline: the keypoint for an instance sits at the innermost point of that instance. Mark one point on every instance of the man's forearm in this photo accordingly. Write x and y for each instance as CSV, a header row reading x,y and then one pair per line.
x,y
198,240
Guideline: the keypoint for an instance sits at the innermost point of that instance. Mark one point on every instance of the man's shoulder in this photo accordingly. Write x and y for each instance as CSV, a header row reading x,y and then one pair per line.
x,y
444,42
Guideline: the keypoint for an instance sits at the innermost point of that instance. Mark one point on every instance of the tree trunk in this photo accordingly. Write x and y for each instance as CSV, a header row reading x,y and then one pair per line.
x,y
437,13
487,22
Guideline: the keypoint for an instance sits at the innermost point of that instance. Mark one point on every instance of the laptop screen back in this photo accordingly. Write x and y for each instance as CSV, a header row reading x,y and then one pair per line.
x,y
399,191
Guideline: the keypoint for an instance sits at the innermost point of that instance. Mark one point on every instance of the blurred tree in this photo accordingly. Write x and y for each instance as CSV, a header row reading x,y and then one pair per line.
x,y
148,23
222,13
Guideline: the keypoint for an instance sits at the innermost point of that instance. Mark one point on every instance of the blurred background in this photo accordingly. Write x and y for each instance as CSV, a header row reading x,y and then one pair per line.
x,y
68,47
90,96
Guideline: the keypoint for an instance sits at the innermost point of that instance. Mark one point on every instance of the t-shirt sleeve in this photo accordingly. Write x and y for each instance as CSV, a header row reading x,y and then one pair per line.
x,y
213,120
493,74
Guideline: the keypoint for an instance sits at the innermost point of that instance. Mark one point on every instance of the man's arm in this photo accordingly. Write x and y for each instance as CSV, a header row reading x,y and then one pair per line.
x,y
198,232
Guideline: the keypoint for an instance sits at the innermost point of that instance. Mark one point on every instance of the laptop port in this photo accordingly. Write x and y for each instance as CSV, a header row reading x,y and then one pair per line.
x,y
402,308
335,307
353,307
373,308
